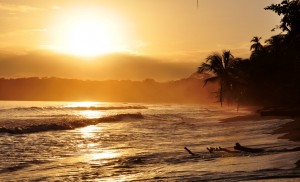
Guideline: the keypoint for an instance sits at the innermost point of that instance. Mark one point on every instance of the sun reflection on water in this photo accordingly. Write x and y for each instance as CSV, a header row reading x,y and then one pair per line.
x,y
91,114
83,104
89,131
109,154
87,110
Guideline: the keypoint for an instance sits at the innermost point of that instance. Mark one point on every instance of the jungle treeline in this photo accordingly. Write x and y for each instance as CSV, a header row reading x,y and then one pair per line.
x,y
271,75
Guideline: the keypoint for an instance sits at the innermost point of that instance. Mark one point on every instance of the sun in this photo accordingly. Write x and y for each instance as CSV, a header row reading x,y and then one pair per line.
x,y
90,33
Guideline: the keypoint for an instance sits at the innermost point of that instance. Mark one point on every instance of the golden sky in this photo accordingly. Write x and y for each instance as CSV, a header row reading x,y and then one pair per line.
x,y
172,30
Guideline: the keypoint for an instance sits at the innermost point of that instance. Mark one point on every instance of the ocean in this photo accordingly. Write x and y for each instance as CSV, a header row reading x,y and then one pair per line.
x,y
97,141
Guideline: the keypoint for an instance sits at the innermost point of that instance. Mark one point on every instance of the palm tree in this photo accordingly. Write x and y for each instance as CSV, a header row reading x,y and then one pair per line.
x,y
256,46
276,43
222,67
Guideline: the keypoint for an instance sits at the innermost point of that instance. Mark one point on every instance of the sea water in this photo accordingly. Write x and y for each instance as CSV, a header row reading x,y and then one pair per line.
x,y
91,141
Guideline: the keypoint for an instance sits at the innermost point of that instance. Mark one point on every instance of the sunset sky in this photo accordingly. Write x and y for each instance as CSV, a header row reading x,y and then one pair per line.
x,y
160,39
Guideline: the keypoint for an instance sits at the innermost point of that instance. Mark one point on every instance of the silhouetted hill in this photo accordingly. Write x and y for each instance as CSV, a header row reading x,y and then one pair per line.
x,y
188,90
113,66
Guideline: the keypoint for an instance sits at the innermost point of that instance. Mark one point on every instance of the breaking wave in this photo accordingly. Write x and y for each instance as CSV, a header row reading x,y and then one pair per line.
x,y
66,123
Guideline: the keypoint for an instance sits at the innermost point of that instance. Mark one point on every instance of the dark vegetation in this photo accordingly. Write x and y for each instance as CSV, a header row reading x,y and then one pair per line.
x,y
271,76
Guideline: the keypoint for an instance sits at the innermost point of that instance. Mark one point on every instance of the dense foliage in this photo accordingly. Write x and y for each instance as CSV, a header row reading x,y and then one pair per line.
x,y
272,73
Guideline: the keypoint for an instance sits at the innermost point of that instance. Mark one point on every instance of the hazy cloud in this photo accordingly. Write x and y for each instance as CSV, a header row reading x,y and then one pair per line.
x,y
55,7
39,30
17,8
110,67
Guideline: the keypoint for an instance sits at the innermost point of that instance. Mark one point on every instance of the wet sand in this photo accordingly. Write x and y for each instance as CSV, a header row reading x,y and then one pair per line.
x,y
251,117
290,130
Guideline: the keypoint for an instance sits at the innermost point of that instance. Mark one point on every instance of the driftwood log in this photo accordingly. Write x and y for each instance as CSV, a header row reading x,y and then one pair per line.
x,y
239,148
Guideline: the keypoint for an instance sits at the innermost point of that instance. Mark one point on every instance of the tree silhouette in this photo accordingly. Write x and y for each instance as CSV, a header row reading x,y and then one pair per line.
x,y
256,46
271,75
290,12
222,68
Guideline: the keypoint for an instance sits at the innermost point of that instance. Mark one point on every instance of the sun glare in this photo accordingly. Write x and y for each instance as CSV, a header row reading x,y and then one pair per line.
x,y
91,114
90,33
82,104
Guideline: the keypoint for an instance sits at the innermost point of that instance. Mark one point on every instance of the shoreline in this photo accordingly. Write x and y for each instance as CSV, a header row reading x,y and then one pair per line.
x,y
251,117
289,130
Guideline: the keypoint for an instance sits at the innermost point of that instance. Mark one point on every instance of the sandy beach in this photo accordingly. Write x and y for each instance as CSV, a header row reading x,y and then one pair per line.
x,y
288,130
291,132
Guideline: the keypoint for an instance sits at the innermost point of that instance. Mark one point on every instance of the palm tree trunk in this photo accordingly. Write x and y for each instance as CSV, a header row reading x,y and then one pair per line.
x,y
221,94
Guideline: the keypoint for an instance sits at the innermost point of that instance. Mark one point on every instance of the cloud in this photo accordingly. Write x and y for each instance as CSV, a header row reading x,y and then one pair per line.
x,y
110,67
17,8
39,30
55,7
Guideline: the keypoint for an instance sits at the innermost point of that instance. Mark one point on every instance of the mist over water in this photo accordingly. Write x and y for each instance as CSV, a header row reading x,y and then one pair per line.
x,y
142,142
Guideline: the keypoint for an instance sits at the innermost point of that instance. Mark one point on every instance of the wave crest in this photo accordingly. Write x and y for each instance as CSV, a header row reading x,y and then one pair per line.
x,y
68,124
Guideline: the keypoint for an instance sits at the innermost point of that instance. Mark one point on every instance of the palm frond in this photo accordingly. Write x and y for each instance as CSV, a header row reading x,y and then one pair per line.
x,y
215,60
227,56
204,68
256,39
211,79
253,47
